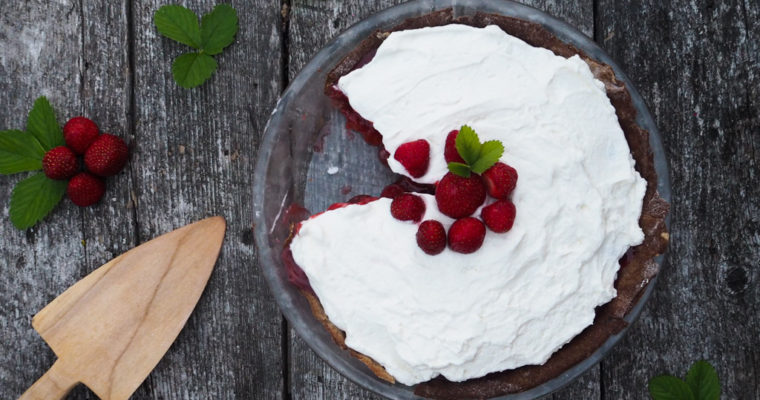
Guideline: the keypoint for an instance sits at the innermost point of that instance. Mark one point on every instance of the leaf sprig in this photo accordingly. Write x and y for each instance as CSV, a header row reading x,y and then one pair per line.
x,y
216,31
701,383
33,198
478,157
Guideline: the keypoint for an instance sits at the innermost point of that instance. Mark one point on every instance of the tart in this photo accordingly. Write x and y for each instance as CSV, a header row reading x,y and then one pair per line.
x,y
489,325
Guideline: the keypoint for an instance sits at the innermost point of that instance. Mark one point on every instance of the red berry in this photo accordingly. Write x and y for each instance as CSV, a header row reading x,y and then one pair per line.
x,y
85,189
466,235
500,180
431,237
60,163
499,216
459,197
450,152
408,207
79,133
106,156
414,156
392,191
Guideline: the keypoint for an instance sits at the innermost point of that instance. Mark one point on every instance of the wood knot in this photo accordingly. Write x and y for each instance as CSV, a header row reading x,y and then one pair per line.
x,y
736,279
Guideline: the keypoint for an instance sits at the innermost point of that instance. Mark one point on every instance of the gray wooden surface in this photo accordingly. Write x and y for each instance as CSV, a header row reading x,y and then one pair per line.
x,y
696,63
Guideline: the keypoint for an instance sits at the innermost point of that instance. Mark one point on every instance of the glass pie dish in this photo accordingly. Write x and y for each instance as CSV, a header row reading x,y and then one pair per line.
x,y
308,159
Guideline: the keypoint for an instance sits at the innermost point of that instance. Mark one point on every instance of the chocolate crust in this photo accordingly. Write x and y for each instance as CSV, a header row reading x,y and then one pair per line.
x,y
637,267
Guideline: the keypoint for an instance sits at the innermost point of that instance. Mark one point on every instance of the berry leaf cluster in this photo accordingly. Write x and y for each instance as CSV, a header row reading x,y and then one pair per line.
x,y
701,383
477,156
216,31
34,197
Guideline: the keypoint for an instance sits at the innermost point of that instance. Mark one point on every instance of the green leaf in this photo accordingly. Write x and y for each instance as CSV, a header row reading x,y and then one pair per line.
x,y
460,169
192,69
19,152
468,144
178,23
666,387
490,152
42,124
218,29
33,198
703,381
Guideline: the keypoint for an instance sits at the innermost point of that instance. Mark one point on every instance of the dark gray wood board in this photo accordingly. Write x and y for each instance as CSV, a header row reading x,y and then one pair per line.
x,y
696,65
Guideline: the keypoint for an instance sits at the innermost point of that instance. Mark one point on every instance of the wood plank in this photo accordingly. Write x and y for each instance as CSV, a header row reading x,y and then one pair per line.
x,y
311,25
40,54
696,65
193,157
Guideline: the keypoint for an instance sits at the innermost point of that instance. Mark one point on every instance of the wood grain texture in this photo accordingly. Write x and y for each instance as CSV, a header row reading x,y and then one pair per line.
x,y
696,64
40,54
311,25
193,156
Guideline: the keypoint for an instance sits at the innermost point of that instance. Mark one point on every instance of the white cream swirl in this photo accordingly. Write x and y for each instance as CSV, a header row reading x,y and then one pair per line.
x,y
525,293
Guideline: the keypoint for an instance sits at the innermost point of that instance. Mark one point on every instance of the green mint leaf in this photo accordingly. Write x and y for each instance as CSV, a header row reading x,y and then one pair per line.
x,y
178,23
42,124
468,144
666,387
460,169
490,153
19,152
192,69
703,381
33,198
218,29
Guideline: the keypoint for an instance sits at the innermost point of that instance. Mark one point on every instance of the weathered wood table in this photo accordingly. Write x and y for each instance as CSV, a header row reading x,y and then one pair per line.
x,y
696,63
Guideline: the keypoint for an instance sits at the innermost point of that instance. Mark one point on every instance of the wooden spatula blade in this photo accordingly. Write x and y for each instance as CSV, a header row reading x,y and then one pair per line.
x,y
111,328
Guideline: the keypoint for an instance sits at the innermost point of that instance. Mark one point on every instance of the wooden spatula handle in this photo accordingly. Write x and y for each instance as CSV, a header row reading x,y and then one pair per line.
x,y
54,385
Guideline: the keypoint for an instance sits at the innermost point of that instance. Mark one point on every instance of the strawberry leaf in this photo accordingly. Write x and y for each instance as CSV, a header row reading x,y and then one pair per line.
x,y
19,152
42,124
218,29
33,198
460,169
178,23
490,152
703,381
468,144
666,387
192,69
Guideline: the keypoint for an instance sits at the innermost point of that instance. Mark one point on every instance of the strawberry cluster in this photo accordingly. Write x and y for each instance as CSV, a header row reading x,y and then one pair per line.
x,y
475,174
104,155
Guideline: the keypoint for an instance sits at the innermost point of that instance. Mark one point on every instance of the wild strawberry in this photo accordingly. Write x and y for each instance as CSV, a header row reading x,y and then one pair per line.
x,y
79,133
431,237
60,163
392,191
408,207
106,156
450,152
466,235
500,180
459,197
414,156
499,216
85,189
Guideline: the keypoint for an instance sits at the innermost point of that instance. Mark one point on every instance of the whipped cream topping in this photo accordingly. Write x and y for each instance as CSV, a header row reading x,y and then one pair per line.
x,y
524,293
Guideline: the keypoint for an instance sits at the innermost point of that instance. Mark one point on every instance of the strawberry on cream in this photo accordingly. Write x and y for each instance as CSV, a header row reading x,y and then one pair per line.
x,y
524,293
